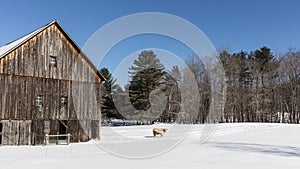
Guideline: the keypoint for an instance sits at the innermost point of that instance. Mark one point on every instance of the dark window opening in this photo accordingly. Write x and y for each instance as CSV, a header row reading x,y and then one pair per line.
x,y
62,130
53,61
39,100
63,127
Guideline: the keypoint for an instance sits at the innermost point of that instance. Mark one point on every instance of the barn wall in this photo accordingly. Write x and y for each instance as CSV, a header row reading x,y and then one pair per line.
x,y
80,130
33,59
18,99
26,73
16,132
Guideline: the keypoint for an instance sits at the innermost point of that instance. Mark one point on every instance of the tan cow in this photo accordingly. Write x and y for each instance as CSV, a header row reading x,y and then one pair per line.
x,y
159,131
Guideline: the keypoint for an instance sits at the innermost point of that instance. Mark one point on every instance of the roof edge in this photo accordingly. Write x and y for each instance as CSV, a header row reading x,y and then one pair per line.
x,y
39,30
33,33
79,49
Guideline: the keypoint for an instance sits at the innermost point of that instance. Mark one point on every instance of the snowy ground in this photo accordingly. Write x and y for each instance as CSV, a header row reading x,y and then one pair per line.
x,y
233,146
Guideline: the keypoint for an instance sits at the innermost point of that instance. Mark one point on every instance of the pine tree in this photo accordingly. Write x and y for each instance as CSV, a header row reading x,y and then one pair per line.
x,y
146,75
109,88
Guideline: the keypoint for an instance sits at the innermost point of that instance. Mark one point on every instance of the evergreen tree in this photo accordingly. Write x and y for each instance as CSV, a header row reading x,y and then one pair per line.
x,y
146,76
263,57
109,88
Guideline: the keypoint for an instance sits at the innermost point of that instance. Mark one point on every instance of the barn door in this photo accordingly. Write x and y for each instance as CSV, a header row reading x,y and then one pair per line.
x,y
95,129
63,126
10,132
25,132
1,126
16,132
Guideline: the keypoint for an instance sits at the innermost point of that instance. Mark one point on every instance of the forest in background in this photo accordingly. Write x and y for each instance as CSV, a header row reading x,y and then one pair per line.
x,y
261,87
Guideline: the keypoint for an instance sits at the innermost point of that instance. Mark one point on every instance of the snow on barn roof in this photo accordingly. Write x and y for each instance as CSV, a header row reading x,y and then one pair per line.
x,y
4,50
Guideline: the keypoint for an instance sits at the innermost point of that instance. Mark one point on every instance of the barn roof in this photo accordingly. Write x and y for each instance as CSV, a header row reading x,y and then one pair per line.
x,y
6,49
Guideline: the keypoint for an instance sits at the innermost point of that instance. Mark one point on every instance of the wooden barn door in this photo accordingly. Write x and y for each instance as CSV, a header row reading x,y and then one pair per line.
x,y
16,132
95,129
9,132
25,132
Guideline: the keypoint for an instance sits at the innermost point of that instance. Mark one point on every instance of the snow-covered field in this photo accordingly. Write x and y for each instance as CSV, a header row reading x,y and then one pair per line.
x,y
235,146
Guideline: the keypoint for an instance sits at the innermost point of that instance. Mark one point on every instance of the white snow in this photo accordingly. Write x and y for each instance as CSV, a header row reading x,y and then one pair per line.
x,y
234,146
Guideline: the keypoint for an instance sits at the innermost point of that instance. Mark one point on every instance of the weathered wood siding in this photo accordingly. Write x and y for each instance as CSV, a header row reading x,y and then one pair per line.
x,y
32,59
25,73
18,99
16,132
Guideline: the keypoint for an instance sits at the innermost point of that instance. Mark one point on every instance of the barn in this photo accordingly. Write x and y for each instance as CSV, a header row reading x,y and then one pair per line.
x,y
47,87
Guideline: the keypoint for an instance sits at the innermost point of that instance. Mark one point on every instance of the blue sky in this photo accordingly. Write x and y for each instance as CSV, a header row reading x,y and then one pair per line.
x,y
234,24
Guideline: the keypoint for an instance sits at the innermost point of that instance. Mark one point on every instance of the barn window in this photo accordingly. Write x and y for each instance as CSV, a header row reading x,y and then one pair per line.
x,y
64,101
39,100
47,125
53,61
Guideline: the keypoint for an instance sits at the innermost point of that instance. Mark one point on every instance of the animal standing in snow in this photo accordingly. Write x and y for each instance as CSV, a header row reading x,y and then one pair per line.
x,y
159,131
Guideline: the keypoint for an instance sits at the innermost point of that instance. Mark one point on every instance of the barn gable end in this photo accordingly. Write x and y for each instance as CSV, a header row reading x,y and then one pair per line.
x,y
45,80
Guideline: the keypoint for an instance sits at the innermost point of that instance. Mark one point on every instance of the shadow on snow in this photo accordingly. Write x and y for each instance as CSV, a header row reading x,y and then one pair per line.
x,y
286,151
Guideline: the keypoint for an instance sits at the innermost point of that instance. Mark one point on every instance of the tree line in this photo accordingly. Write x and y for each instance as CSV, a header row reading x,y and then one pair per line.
x,y
261,87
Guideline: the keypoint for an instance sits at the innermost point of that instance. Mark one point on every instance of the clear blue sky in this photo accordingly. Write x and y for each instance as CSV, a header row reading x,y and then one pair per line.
x,y
235,24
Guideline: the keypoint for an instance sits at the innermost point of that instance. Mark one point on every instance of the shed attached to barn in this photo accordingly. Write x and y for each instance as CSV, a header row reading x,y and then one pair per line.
x,y
47,86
